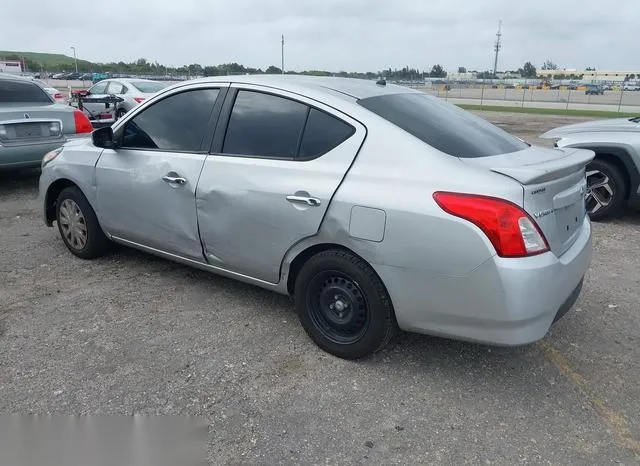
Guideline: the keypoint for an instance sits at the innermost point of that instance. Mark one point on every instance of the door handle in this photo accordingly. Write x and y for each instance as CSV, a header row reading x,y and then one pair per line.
x,y
310,201
174,179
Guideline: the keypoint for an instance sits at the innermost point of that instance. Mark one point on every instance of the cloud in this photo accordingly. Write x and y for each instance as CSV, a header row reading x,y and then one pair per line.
x,y
335,35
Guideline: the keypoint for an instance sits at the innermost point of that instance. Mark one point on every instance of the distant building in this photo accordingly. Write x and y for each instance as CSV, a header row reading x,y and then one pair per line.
x,y
10,66
609,76
590,76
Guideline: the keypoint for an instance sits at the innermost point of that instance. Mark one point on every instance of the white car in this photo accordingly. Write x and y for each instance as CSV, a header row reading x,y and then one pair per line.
x,y
133,91
53,92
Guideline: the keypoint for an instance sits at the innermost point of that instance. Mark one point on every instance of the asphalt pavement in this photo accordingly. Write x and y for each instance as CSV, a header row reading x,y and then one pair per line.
x,y
131,333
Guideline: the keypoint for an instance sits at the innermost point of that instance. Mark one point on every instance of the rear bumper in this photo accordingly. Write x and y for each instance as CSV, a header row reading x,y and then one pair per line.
x,y
27,155
502,302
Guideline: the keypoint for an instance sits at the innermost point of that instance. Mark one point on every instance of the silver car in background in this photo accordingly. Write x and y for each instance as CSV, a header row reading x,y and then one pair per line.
x,y
613,177
133,91
32,123
58,96
375,206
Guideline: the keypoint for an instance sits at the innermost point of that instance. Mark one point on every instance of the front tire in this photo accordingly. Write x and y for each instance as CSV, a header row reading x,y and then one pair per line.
x,y
343,305
606,190
78,225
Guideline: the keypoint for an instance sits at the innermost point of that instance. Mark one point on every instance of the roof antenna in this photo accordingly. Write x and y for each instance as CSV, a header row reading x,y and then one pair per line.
x,y
381,82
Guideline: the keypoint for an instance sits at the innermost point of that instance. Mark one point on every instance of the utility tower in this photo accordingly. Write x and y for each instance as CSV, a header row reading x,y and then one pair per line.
x,y
497,47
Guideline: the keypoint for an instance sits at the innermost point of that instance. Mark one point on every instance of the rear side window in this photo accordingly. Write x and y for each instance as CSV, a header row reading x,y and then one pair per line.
x,y
443,126
100,88
322,133
17,91
177,123
264,125
115,88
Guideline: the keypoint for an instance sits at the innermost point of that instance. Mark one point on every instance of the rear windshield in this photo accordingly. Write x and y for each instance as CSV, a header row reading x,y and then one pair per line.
x,y
148,87
17,91
443,126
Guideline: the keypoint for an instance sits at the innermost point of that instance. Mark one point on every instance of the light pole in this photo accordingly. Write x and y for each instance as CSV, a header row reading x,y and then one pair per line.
x,y
282,62
74,58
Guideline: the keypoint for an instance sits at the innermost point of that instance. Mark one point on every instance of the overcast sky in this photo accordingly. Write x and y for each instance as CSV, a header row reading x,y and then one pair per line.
x,y
352,35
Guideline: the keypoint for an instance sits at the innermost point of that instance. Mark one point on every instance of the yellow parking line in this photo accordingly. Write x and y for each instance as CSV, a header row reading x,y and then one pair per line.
x,y
613,418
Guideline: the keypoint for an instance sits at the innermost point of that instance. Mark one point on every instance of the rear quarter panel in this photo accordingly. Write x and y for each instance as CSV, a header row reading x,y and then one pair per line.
x,y
398,174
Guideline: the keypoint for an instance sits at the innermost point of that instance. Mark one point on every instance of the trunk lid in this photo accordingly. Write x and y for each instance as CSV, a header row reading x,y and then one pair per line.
x,y
554,188
41,112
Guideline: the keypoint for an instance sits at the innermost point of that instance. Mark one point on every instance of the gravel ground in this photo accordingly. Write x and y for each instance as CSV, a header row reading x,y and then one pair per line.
x,y
131,333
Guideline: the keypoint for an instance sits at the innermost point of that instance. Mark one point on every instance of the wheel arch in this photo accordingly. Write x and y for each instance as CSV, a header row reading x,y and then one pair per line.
x,y
53,191
621,158
295,265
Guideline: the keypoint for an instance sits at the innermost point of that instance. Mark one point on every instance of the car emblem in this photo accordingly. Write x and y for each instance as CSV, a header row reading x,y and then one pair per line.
x,y
26,115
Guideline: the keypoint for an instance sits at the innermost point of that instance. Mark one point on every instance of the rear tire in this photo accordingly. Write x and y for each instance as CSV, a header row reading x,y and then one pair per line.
x,y
606,190
78,225
120,113
343,305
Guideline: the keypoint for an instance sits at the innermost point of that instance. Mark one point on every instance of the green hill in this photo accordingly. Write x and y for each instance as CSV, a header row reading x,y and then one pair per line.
x,y
39,60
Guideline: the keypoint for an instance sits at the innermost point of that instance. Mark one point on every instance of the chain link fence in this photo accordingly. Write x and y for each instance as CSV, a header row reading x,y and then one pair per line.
x,y
578,97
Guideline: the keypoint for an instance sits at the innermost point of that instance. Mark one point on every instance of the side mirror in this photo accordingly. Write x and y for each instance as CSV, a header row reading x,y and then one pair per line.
x,y
103,137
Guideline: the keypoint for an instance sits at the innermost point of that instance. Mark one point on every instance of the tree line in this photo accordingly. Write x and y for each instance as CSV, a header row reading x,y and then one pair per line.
x,y
142,66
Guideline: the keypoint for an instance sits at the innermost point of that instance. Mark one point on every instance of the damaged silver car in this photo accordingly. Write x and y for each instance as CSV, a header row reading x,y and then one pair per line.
x,y
375,206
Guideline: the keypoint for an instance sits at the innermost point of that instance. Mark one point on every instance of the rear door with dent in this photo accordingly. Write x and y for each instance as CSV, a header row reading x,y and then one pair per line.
x,y
276,162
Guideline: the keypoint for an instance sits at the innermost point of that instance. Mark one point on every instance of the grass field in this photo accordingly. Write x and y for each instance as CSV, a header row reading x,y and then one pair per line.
x,y
44,59
548,111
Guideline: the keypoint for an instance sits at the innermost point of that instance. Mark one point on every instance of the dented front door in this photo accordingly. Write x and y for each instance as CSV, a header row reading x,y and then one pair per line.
x,y
149,198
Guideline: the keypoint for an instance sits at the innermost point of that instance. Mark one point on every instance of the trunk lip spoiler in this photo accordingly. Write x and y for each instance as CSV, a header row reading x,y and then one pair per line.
x,y
536,172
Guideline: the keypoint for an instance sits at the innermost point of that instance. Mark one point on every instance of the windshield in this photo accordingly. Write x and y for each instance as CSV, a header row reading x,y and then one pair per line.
x,y
443,126
18,91
148,87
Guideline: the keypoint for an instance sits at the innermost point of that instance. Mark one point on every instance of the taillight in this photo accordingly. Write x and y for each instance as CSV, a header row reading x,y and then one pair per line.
x,y
83,125
138,99
510,229
57,95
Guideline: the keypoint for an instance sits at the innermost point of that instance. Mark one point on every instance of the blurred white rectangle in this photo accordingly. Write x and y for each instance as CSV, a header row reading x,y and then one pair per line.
x,y
36,440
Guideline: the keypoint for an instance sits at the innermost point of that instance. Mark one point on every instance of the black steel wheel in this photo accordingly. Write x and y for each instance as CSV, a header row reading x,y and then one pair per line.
x,y
337,307
343,305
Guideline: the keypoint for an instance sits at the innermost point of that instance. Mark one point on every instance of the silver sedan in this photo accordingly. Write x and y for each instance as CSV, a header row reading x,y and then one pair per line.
x,y
373,205
133,91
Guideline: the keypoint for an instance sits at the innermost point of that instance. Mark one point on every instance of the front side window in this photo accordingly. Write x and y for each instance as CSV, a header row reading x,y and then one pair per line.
x,y
443,126
264,125
177,123
18,91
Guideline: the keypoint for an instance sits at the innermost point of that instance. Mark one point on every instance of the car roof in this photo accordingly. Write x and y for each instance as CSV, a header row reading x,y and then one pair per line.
x,y
349,87
130,80
14,77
